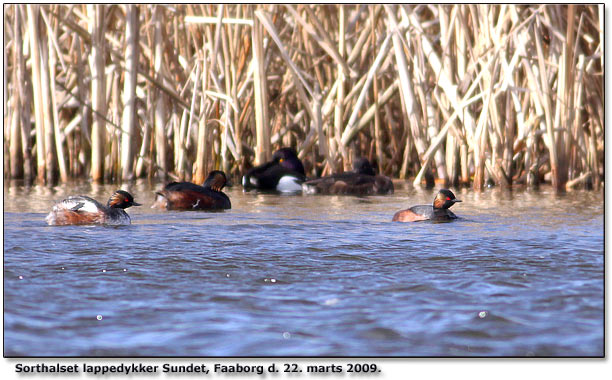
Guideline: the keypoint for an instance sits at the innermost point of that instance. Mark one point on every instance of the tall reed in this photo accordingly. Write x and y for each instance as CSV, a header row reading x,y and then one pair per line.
x,y
457,94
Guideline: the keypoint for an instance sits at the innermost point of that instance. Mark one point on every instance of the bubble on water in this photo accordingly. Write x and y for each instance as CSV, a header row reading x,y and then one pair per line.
x,y
21,277
62,268
482,314
125,270
103,270
272,280
99,317
286,335
227,275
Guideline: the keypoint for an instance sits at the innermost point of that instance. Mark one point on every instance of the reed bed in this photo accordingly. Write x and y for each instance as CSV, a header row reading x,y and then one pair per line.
x,y
453,94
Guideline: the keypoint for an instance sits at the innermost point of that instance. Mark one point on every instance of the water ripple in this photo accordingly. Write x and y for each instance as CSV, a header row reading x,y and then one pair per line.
x,y
519,274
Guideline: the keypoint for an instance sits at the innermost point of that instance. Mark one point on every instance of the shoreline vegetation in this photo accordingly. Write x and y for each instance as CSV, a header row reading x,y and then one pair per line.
x,y
461,95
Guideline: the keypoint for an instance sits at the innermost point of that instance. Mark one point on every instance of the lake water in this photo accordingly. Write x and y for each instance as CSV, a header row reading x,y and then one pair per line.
x,y
520,274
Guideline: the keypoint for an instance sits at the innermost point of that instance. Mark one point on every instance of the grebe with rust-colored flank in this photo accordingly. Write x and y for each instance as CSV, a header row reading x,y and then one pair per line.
x,y
189,196
439,211
80,209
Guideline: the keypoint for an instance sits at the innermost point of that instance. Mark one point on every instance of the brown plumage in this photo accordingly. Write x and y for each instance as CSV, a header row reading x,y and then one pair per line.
x,y
189,196
361,181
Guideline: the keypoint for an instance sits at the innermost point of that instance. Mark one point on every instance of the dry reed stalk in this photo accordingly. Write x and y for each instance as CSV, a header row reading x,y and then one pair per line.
x,y
298,78
15,168
232,110
202,146
408,98
550,139
459,108
161,117
112,161
48,126
84,100
57,133
146,145
451,154
568,111
260,93
262,150
33,34
145,159
384,98
544,89
508,154
444,81
377,127
445,162
45,95
23,86
237,62
185,137
339,94
318,125
97,28
180,130
16,148
322,38
481,134
132,29
215,20
351,127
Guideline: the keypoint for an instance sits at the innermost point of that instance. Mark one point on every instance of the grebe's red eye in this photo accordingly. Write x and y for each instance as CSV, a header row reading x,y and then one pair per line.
x,y
448,198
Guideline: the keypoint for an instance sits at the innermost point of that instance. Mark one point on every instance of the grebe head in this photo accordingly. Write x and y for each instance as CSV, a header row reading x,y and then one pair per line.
x,y
362,166
445,199
216,180
121,199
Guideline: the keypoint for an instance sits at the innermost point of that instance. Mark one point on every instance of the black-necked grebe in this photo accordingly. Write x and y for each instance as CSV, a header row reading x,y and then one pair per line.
x,y
285,173
189,196
439,211
85,210
361,181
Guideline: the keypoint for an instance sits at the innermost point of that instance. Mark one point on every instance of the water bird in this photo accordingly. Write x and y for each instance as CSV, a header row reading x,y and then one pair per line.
x,y
361,181
285,173
189,196
438,211
78,210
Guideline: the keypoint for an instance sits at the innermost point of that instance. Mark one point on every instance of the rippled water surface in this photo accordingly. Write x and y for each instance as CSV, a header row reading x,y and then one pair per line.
x,y
520,274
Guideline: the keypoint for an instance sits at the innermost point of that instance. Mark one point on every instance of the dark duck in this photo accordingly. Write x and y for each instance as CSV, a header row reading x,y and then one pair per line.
x,y
76,210
438,212
189,196
361,181
285,173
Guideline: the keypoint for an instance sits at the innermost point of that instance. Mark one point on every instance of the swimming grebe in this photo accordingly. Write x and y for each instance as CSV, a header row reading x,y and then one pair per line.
x,y
361,181
85,210
189,196
439,211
